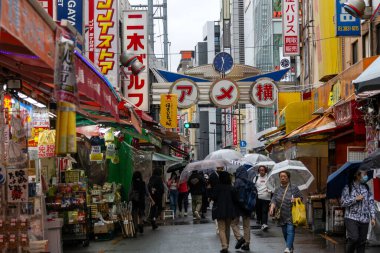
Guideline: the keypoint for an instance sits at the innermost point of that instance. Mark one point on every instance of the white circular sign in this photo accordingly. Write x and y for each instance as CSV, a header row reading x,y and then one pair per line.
x,y
187,92
224,93
264,92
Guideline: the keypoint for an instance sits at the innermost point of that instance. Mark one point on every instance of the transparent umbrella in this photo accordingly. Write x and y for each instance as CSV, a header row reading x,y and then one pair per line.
x,y
254,170
206,166
299,175
227,154
256,158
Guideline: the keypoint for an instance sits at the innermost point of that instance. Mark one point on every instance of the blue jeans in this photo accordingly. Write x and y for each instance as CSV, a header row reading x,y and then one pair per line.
x,y
173,200
288,232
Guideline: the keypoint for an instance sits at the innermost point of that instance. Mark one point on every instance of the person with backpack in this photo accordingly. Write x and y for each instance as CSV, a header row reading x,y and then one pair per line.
x,y
156,191
196,186
245,203
282,200
263,197
359,211
137,195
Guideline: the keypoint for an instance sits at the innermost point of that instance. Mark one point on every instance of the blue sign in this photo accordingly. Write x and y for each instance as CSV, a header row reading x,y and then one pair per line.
x,y
346,25
72,10
243,144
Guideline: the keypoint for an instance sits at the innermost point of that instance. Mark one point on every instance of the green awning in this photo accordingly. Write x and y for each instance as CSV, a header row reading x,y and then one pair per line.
x,y
164,158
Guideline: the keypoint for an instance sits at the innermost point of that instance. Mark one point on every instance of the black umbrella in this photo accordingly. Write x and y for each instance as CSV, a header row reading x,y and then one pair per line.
x,y
372,162
176,166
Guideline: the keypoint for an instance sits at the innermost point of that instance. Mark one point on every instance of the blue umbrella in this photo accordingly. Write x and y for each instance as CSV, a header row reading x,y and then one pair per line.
x,y
338,180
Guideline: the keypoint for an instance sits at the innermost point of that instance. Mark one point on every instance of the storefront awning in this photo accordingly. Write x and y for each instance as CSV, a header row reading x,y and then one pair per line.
x,y
272,134
163,158
369,80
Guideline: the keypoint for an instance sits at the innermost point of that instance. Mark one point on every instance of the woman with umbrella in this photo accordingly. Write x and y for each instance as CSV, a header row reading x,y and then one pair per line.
x,y
282,199
360,211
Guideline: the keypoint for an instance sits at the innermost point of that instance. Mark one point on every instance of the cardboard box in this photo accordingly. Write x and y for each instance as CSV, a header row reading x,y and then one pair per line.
x,y
100,229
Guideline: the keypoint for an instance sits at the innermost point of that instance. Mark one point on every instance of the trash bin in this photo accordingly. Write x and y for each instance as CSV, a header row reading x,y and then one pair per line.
x,y
54,234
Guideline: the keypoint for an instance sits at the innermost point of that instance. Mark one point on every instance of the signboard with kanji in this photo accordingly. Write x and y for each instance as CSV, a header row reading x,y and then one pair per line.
x,y
187,92
290,22
17,185
135,38
102,28
264,92
169,110
234,131
346,24
224,93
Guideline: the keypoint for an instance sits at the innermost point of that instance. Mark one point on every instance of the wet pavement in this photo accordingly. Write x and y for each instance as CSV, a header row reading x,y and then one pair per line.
x,y
185,236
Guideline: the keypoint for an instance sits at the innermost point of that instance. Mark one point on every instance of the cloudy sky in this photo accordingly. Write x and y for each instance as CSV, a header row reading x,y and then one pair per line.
x,y
186,19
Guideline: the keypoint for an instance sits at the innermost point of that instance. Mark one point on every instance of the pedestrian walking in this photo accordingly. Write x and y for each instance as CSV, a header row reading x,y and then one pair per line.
x,y
183,199
137,195
263,197
205,201
196,186
213,180
282,200
241,180
223,210
156,191
359,211
173,184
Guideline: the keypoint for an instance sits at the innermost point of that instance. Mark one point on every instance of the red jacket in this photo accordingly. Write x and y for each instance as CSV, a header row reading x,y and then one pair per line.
x,y
183,187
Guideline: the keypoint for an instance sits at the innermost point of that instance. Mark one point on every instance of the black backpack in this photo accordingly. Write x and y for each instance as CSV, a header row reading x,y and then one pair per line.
x,y
247,195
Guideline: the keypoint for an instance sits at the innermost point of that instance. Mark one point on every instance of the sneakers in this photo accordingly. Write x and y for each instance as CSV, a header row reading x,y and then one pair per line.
x,y
245,246
185,214
264,227
287,250
197,215
239,243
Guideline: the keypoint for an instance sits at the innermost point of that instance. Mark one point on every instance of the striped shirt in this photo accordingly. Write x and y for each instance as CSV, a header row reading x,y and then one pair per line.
x,y
286,208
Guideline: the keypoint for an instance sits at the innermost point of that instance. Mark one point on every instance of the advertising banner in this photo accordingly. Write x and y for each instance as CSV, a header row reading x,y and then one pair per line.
x,y
101,37
346,24
17,189
169,110
135,37
234,131
72,10
49,6
290,18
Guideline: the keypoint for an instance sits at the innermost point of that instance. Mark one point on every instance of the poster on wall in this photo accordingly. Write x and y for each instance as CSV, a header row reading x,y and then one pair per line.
x,y
17,185
102,28
135,37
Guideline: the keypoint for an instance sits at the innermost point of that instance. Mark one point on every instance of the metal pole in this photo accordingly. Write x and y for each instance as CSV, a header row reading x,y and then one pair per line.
x,y
166,40
214,139
150,26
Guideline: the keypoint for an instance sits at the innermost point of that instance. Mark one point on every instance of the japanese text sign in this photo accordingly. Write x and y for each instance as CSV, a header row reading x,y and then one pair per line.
x,y
101,37
187,92
234,131
135,37
48,5
17,186
224,93
23,22
264,92
45,151
168,110
346,24
290,22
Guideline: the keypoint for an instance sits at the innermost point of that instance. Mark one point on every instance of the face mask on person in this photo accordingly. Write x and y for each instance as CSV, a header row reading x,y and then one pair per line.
x,y
364,179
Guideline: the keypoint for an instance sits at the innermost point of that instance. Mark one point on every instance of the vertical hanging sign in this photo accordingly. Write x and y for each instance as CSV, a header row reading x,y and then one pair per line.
x,y
234,131
102,37
346,24
49,6
135,38
72,10
290,18
169,110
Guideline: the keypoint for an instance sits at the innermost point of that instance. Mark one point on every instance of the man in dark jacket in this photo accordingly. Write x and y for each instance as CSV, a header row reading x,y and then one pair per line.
x,y
242,242
156,191
196,185
223,208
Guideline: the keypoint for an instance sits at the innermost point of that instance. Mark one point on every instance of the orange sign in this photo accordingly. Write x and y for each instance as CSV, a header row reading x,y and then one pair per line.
x,y
22,21
168,110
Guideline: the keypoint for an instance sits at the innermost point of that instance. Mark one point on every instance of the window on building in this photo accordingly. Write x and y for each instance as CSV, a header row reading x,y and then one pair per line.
x,y
378,39
265,118
366,46
355,52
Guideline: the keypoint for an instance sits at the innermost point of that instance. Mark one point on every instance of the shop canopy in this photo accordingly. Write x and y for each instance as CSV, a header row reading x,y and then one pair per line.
x,y
369,80
164,158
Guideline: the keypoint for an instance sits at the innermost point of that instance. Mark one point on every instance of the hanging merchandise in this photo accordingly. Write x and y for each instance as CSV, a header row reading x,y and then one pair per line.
x,y
111,151
66,95
15,156
17,185
46,144
109,135
17,128
2,175
96,153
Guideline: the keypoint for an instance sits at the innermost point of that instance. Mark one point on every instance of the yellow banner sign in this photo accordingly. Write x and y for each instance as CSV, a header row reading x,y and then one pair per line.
x,y
168,110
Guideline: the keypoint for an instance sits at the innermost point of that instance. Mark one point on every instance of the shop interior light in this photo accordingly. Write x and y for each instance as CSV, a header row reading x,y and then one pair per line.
x,y
21,95
52,115
39,105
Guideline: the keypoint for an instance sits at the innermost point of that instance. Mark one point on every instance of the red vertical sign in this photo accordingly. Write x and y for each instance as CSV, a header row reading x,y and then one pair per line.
x,y
234,131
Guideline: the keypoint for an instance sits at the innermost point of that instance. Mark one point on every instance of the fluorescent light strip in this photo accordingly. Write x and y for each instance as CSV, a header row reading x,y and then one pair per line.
x,y
22,95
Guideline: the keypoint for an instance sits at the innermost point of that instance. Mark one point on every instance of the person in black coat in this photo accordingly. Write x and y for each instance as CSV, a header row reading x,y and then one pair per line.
x,y
137,195
156,191
223,208
196,186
